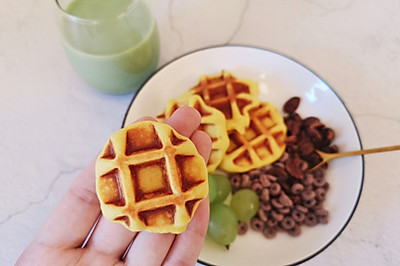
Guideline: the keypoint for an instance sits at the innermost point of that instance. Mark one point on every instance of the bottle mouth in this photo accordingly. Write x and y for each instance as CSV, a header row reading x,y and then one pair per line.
x,y
61,9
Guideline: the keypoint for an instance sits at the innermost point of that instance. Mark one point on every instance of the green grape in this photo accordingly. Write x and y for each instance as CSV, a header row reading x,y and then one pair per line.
x,y
224,187
212,188
223,224
245,204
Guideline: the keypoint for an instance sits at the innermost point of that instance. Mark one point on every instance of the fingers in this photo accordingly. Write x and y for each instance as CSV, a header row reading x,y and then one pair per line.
x,y
109,237
203,143
149,249
185,121
77,212
169,249
187,246
113,239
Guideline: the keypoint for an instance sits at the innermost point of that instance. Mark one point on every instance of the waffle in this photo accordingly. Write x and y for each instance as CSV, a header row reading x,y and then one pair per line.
x,y
213,122
262,143
149,177
233,97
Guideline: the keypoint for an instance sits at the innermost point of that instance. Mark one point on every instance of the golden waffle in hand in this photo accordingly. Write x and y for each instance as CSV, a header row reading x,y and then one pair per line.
x,y
213,122
149,177
233,97
262,143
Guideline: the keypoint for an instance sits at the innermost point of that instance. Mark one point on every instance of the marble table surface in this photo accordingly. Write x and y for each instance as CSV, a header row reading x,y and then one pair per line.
x,y
52,123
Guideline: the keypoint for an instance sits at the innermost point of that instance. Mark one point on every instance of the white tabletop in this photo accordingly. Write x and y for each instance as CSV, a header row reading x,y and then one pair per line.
x,y
52,123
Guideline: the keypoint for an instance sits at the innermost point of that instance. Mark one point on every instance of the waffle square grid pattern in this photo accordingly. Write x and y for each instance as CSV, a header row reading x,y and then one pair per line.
x,y
262,143
233,97
150,177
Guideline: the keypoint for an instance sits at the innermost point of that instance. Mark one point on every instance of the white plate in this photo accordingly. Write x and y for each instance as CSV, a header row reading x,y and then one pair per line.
x,y
279,79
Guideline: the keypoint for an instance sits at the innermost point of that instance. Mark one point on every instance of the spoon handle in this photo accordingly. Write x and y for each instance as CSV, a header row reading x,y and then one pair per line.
x,y
330,156
366,151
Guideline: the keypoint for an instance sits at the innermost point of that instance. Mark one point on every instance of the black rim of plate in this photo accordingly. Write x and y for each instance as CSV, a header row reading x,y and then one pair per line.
x,y
307,68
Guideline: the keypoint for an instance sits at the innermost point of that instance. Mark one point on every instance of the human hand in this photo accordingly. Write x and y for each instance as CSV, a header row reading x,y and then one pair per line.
x,y
61,240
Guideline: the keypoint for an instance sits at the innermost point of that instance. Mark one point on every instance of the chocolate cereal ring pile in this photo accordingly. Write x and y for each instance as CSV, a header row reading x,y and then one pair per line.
x,y
291,197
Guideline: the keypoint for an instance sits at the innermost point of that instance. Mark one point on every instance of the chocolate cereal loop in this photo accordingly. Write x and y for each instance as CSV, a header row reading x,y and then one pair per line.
x,y
243,227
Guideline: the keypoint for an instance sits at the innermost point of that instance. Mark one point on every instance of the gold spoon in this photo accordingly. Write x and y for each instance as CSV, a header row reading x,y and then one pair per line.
x,y
330,156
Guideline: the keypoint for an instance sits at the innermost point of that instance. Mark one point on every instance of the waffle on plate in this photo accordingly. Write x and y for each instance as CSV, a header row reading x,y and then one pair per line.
x,y
262,143
233,97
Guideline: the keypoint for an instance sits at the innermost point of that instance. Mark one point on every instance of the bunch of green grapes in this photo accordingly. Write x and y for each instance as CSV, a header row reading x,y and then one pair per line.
x,y
225,217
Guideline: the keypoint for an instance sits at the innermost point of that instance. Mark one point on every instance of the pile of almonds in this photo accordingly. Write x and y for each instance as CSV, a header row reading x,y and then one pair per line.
x,y
290,196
